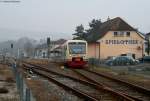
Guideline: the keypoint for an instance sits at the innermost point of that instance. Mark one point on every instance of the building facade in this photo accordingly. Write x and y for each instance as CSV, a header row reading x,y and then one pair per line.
x,y
147,43
42,50
116,38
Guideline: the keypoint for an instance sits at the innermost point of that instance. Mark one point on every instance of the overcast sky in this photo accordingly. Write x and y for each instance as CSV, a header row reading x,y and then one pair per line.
x,y
42,18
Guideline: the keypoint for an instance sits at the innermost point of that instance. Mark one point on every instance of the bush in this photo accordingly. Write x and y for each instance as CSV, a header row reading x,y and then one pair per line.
x,y
3,90
122,73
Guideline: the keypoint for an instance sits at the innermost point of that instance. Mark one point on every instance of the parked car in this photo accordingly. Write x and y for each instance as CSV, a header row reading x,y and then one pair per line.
x,y
146,59
121,60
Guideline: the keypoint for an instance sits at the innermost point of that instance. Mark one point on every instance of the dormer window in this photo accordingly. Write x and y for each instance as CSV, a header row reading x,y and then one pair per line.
x,y
128,34
115,34
119,34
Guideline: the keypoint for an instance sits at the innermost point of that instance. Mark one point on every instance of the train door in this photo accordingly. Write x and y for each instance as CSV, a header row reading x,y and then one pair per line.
x,y
65,52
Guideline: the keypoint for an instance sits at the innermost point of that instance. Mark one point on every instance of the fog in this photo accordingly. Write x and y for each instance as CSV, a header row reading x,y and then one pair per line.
x,y
58,18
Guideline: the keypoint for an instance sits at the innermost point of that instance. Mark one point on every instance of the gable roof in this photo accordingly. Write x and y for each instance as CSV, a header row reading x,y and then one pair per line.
x,y
116,24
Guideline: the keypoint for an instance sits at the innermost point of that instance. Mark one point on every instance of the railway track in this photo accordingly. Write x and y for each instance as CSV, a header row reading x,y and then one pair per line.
x,y
133,91
137,87
103,93
54,79
77,92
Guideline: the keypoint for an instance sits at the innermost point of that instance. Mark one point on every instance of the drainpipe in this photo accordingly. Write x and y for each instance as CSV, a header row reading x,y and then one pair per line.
x,y
142,49
99,49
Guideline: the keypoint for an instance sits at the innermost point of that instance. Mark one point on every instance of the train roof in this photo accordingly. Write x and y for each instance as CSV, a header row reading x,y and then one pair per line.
x,y
72,41
59,46
75,41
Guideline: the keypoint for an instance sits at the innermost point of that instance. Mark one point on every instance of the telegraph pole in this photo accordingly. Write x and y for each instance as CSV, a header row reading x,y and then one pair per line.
x,y
12,46
48,45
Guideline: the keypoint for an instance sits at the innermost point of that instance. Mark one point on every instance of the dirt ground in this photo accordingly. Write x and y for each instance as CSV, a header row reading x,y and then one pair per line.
x,y
8,88
38,90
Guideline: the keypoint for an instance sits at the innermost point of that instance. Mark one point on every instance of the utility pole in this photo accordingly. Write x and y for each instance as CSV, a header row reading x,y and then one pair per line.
x,y
18,54
48,45
4,54
12,46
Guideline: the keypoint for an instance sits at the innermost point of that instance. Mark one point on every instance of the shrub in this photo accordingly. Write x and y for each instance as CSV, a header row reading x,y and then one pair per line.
x,y
3,90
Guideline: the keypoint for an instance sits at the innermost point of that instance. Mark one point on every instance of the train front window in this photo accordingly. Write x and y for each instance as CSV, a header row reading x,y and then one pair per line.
x,y
77,48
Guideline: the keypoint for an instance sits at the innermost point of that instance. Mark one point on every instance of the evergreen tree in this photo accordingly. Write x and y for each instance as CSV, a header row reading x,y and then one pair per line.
x,y
94,26
79,32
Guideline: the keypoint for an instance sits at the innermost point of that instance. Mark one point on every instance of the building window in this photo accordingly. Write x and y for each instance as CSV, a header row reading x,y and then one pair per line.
x,y
128,34
115,34
121,34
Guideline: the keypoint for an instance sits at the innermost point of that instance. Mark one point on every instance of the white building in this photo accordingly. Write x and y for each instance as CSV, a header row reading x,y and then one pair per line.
x,y
41,51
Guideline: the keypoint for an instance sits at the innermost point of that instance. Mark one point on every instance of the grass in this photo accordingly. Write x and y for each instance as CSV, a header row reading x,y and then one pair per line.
x,y
130,76
6,74
7,80
103,69
9,99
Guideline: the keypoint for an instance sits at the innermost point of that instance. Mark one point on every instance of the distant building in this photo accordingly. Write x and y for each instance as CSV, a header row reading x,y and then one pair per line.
x,y
41,51
115,38
22,54
147,35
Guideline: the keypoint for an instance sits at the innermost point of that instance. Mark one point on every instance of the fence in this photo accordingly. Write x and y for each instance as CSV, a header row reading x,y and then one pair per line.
x,y
96,62
24,91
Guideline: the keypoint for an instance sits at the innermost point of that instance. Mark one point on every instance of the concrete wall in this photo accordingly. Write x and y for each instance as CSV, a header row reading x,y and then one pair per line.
x,y
104,49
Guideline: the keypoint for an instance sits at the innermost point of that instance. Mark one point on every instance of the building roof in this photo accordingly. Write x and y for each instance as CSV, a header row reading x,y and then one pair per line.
x,y
57,42
116,24
41,46
148,34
